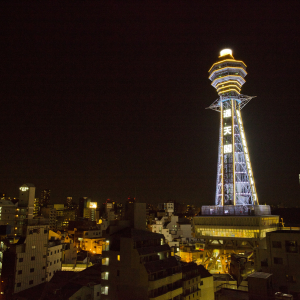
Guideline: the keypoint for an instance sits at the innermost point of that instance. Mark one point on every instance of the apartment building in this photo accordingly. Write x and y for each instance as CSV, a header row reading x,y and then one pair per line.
x,y
138,265
54,257
24,263
282,259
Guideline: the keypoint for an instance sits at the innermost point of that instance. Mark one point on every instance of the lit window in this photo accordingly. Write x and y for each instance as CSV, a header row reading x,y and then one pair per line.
x,y
104,275
104,290
119,257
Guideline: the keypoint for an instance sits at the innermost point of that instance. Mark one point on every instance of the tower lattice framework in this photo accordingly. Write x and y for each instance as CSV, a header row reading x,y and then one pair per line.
x,y
235,181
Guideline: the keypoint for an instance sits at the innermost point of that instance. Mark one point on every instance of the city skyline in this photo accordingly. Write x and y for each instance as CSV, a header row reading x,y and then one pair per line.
x,y
108,101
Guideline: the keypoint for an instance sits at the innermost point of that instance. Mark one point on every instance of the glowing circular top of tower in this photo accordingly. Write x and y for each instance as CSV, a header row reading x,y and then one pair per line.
x,y
227,74
226,52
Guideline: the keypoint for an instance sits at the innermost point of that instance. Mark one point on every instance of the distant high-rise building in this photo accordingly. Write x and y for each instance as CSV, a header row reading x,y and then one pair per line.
x,y
25,263
83,203
36,207
26,198
45,198
69,201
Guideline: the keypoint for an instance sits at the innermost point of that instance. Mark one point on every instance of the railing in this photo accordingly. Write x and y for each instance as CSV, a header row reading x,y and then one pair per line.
x,y
232,287
165,289
169,279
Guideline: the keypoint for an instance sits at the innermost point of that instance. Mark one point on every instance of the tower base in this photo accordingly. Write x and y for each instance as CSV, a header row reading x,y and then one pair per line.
x,y
235,210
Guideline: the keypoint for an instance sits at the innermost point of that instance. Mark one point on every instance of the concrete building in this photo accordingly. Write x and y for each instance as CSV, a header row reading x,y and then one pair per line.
x,y
69,252
190,254
25,205
227,234
36,207
92,245
89,212
138,265
197,282
8,214
82,285
83,203
24,263
45,198
281,258
54,257
50,214
169,208
59,209
69,215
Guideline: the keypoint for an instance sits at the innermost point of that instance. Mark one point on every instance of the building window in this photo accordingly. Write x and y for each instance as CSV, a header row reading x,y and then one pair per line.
x,y
33,247
105,261
43,279
30,281
264,263
44,267
104,275
278,260
201,282
21,259
31,270
291,246
18,284
119,258
276,244
32,257
290,278
104,290
19,272
45,231
44,256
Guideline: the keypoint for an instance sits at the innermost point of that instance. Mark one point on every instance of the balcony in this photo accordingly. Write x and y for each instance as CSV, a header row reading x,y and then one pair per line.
x,y
168,295
187,296
164,281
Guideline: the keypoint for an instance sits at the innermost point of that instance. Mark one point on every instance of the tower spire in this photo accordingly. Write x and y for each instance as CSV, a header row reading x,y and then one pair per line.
x,y
235,181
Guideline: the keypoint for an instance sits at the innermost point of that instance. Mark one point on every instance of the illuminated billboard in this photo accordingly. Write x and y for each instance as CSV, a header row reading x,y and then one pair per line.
x,y
93,205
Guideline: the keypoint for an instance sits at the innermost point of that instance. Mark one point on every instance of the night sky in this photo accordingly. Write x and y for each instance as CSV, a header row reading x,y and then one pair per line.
x,y
108,100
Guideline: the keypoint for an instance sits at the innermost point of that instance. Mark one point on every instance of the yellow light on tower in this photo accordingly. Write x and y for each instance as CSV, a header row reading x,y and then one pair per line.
x,y
225,52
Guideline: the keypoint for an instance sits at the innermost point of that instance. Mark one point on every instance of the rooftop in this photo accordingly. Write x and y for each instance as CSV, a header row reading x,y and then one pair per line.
x,y
203,272
159,265
260,275
137,234
284,231
233,294
153,249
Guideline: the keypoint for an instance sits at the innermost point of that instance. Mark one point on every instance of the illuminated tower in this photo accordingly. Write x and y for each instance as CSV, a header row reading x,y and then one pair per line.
x,y
235,181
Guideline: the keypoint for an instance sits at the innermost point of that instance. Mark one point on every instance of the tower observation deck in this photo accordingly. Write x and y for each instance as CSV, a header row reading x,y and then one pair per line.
x,y
235,181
